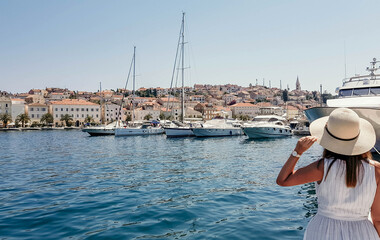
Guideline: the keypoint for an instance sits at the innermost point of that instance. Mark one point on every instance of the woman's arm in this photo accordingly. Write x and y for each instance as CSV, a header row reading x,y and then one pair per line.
x,y
375,209
290,177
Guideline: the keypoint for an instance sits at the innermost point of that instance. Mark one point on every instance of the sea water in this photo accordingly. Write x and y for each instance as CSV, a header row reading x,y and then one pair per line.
x,y
67,185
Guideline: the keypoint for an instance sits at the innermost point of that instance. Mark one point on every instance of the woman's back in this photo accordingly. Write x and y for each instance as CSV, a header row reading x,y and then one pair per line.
x,y
337,201
342,211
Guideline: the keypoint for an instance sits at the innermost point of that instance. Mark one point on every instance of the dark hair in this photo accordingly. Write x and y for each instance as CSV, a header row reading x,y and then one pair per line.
x,y
354,165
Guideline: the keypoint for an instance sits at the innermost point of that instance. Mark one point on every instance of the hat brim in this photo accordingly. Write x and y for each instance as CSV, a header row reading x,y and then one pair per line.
x,y
362,144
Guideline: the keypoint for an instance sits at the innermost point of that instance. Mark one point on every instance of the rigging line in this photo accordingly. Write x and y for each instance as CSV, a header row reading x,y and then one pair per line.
x,y
125,87
175,66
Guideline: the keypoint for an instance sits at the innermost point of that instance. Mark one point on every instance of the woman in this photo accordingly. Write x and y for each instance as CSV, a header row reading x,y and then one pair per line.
x,y
348,181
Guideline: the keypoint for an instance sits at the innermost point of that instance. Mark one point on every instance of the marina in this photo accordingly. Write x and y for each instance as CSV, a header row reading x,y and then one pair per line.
x,y
70,185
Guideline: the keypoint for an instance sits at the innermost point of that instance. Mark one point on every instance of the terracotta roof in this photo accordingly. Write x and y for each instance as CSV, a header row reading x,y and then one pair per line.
x,y
37,104
17,99
73,102
243,105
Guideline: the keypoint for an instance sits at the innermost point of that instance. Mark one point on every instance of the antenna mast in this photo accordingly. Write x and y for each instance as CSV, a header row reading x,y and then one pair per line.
x,y
183,68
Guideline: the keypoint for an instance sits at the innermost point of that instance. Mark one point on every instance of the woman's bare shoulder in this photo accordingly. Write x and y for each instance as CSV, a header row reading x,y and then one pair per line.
x,y
375,163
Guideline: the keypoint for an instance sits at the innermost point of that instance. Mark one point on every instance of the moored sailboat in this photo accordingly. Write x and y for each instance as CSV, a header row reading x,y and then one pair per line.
x,y
180,129
132,129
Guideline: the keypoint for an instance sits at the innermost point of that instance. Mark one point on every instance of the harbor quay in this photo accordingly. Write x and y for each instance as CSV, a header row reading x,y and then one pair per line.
x,y
56,107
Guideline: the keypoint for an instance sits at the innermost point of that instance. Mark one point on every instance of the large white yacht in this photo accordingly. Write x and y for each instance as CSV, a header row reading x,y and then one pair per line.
x,y
267,126
109,129
359,93
147,128
218,128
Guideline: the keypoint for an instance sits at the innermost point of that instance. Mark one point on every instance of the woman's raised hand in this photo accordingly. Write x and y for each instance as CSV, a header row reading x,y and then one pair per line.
x,y
305,143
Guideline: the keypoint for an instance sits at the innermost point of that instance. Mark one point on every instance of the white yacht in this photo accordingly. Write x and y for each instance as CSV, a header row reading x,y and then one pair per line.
x,y
267,126
218,128
147,128
359,93
179,129
108,129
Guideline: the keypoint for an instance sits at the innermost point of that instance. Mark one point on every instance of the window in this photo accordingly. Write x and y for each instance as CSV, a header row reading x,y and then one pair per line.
x,y
82,115
43,109
361,91
77,109
345,92
97,115
375,90
92,109
67,109
32,115
6,105
97,109
62,109
38,109
38,115
77,115
72,109
82,109
56,109
86,109
31,109
56,115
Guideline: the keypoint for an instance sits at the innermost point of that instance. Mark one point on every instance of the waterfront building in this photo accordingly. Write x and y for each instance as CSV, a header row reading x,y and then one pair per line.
x,y
17,107
245,109
78,109
112,112
5,105
272,110
36,110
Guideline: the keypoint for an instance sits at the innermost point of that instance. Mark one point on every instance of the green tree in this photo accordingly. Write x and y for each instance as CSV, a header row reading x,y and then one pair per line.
x,y
285,95
23,118
47,119
128,118
162,116
244,117
67,119
148,117
89,119
5,118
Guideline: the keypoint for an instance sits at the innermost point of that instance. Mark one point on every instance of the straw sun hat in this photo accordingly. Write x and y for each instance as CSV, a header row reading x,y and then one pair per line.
x,y
344,132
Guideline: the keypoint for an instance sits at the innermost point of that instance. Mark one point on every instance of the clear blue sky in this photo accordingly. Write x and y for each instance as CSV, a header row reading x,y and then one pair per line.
x,y
77,44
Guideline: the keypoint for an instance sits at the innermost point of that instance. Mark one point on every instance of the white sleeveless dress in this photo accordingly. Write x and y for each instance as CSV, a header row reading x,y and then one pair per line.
x,y
342,211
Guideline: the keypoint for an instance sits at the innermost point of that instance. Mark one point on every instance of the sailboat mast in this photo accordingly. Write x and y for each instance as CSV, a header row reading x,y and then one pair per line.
x,y
183,69
134,78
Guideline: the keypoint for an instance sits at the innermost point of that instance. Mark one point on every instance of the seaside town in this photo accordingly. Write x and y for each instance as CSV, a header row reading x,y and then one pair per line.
x,y
57,107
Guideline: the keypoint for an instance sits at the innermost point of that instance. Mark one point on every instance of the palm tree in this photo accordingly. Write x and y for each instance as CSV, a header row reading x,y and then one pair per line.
x,y
148,116
23,118
128,118
67,118
5,118
47,119
89,119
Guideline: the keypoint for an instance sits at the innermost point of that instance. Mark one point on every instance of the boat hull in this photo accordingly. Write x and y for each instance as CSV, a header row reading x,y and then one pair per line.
x,y
266,132
179,132
138,131
99,131
370,114
217,132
